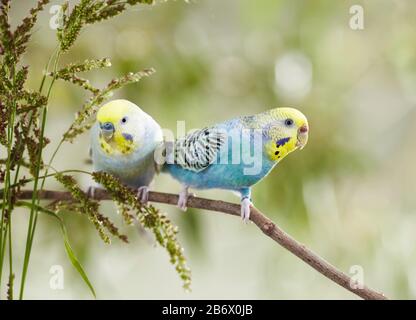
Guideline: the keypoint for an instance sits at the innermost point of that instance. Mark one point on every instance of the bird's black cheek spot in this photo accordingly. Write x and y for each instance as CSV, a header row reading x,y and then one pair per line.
x,y
282,142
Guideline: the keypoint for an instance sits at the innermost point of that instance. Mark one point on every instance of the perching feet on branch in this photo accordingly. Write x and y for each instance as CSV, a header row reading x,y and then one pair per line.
x,y
143,194
184,195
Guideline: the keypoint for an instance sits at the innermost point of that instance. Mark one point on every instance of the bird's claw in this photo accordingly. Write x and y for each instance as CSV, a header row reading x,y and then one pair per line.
x,y
143,194
184,195
245,209
91,192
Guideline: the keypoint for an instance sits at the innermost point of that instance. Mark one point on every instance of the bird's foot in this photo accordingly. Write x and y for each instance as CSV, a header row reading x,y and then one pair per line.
x,y
245,209
143,194
184,195
91,192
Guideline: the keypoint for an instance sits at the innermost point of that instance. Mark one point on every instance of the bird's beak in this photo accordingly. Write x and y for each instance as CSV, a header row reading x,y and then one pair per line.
x,y
107,130
302,136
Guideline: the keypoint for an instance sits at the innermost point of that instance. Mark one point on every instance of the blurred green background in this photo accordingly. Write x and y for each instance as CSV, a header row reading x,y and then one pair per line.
x,y
349,195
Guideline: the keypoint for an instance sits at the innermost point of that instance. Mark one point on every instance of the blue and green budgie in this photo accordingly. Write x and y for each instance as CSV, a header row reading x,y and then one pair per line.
x,y
236,154
123,142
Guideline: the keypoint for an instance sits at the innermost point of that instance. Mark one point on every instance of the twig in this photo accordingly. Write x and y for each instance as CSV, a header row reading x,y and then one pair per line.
x,y
268,227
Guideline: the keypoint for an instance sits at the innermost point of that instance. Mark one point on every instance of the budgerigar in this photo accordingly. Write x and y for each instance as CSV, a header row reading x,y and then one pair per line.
x,y
123,142
236,154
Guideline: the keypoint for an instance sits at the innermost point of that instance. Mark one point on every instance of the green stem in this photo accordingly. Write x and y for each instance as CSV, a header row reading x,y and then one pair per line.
x,y
47,176
34,212
55,152
15,184
47,69
8,230
6,196
7,193
10,259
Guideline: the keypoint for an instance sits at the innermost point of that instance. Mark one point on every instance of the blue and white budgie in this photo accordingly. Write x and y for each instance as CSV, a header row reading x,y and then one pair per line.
x,y
236,154
123,142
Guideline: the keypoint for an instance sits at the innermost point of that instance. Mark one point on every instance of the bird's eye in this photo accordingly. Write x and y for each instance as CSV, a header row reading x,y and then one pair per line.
x,y
289,122
124,120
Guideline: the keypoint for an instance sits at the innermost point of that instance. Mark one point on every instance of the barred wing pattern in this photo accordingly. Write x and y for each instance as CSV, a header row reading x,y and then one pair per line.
x,y
199,149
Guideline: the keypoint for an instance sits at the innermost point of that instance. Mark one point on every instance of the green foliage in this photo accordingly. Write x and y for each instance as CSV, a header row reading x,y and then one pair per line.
x,y
23,113
13,44
84,118
23,31
68,248
89,12
84,205
150,218
69,73
17,133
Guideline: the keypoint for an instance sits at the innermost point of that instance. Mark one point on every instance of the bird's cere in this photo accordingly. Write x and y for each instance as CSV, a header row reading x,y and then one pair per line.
x,y
303,129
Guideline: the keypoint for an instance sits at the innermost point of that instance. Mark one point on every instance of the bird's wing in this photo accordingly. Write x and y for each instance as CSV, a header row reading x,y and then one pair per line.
x,y
197,150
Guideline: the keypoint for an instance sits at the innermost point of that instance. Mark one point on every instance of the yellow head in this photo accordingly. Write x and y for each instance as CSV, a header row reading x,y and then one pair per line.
x,y
122,127
286,130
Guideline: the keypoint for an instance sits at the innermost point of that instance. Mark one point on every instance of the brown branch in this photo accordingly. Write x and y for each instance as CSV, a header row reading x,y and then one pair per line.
x,y
263,223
